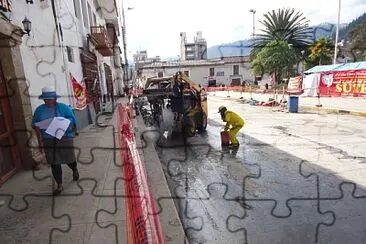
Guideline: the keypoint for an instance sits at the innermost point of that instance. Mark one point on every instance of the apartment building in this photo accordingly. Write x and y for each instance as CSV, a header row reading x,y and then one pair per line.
x,y
141,58
46,43
196,50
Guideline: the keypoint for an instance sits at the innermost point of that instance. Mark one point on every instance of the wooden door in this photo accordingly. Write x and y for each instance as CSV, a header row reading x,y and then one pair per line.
x,y
235,82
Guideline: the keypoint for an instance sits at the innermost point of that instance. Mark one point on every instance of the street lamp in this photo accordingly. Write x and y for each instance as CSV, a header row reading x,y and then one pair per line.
x,y
27,25
125,41
337,33
253,11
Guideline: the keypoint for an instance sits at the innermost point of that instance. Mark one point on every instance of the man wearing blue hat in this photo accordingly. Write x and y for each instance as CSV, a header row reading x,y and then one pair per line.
x,y
57,151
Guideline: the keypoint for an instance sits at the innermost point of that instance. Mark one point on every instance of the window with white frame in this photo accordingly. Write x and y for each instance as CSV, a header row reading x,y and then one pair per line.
x,y
90,15
70,54
220,73
235,69
85,14
77,9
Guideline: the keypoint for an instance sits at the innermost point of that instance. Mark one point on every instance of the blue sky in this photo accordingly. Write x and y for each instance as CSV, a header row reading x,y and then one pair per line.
x,y
154,25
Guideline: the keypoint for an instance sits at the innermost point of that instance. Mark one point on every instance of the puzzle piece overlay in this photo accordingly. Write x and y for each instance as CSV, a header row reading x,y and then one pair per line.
x,y
239,210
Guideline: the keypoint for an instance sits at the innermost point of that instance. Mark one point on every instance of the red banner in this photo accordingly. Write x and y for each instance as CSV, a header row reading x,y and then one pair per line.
x,y
294,85
79,93
343,83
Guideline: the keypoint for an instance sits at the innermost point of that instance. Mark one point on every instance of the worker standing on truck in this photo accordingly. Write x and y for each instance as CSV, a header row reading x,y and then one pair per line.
x,y
235,121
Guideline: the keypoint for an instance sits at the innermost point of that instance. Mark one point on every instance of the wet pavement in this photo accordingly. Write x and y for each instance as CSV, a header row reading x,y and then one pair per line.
x,y
296,178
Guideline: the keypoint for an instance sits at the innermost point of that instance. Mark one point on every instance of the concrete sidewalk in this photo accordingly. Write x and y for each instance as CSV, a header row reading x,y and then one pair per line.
x,y
339,105
88,211
91,210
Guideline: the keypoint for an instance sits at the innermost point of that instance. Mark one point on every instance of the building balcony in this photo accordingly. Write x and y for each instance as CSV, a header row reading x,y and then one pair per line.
x,y
101,40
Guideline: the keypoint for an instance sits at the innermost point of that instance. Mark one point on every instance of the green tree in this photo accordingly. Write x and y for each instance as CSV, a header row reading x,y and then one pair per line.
x,y
277,57
358,41
321,53
257,67
283,25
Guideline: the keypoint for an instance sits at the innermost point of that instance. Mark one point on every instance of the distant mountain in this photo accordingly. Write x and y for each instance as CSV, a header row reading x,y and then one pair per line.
x,y
238,48
241,48
344,31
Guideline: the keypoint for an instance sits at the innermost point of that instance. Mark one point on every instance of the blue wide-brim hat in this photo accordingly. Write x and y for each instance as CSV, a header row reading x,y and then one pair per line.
x,y
48,93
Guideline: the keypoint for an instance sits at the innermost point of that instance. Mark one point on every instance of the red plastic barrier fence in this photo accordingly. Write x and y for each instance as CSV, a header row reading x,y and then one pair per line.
x,y
248,89
227,88
143,224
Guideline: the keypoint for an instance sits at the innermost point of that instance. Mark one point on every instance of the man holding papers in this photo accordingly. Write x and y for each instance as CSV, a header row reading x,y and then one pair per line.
x,y
55,125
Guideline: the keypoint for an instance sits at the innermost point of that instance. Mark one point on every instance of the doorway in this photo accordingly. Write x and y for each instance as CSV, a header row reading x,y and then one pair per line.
x,y
212,83
90,72
9,151
235,82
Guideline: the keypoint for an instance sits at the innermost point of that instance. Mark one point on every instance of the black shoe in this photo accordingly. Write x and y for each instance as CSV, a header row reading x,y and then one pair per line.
x,y
58,190
75,175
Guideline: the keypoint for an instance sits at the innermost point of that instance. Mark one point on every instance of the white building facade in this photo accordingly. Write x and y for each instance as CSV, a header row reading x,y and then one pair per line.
x,y
215,72
77,37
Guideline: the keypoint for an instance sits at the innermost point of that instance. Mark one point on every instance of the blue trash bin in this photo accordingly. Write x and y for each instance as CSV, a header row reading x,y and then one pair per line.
x,y
293,105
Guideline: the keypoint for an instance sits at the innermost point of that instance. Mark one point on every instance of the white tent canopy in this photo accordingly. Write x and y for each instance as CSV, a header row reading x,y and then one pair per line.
x,y
310,85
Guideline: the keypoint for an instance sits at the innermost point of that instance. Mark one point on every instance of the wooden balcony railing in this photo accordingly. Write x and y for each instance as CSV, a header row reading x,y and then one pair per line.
x,y
101,40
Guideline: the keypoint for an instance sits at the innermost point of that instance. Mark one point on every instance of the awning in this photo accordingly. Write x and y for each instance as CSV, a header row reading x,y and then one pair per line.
x,y
351,66
337,67
322,68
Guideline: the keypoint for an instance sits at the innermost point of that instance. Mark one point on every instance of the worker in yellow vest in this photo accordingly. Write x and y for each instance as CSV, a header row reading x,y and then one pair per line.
x,y
234,121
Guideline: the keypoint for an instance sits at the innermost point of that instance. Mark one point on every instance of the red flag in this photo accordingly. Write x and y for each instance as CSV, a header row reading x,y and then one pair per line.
x,y
79,93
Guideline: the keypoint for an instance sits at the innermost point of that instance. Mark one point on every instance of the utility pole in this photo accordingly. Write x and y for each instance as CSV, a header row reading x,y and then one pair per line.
x,y
125,76
337,33
302,67
253,11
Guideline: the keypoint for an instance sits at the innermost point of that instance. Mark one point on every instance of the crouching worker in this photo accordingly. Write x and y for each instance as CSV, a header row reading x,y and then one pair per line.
x,y
235,121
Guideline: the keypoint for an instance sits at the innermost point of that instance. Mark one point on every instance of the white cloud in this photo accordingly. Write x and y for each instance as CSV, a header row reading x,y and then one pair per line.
x,y
155,25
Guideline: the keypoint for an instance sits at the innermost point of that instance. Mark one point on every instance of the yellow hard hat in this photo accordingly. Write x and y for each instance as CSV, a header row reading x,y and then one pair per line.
x,y
221,108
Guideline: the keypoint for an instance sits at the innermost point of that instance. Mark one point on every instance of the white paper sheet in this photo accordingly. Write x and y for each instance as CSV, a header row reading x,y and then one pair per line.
x,y
44,123
58,127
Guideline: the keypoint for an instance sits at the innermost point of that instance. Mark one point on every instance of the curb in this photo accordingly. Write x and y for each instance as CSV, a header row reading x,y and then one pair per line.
x,y
169,217
334,111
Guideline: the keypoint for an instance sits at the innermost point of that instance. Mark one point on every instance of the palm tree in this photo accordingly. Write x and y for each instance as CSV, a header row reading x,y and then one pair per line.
x,y
284,25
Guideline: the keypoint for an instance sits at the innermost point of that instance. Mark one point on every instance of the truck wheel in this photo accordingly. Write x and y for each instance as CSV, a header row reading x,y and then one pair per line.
x,y
203,124
190,127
